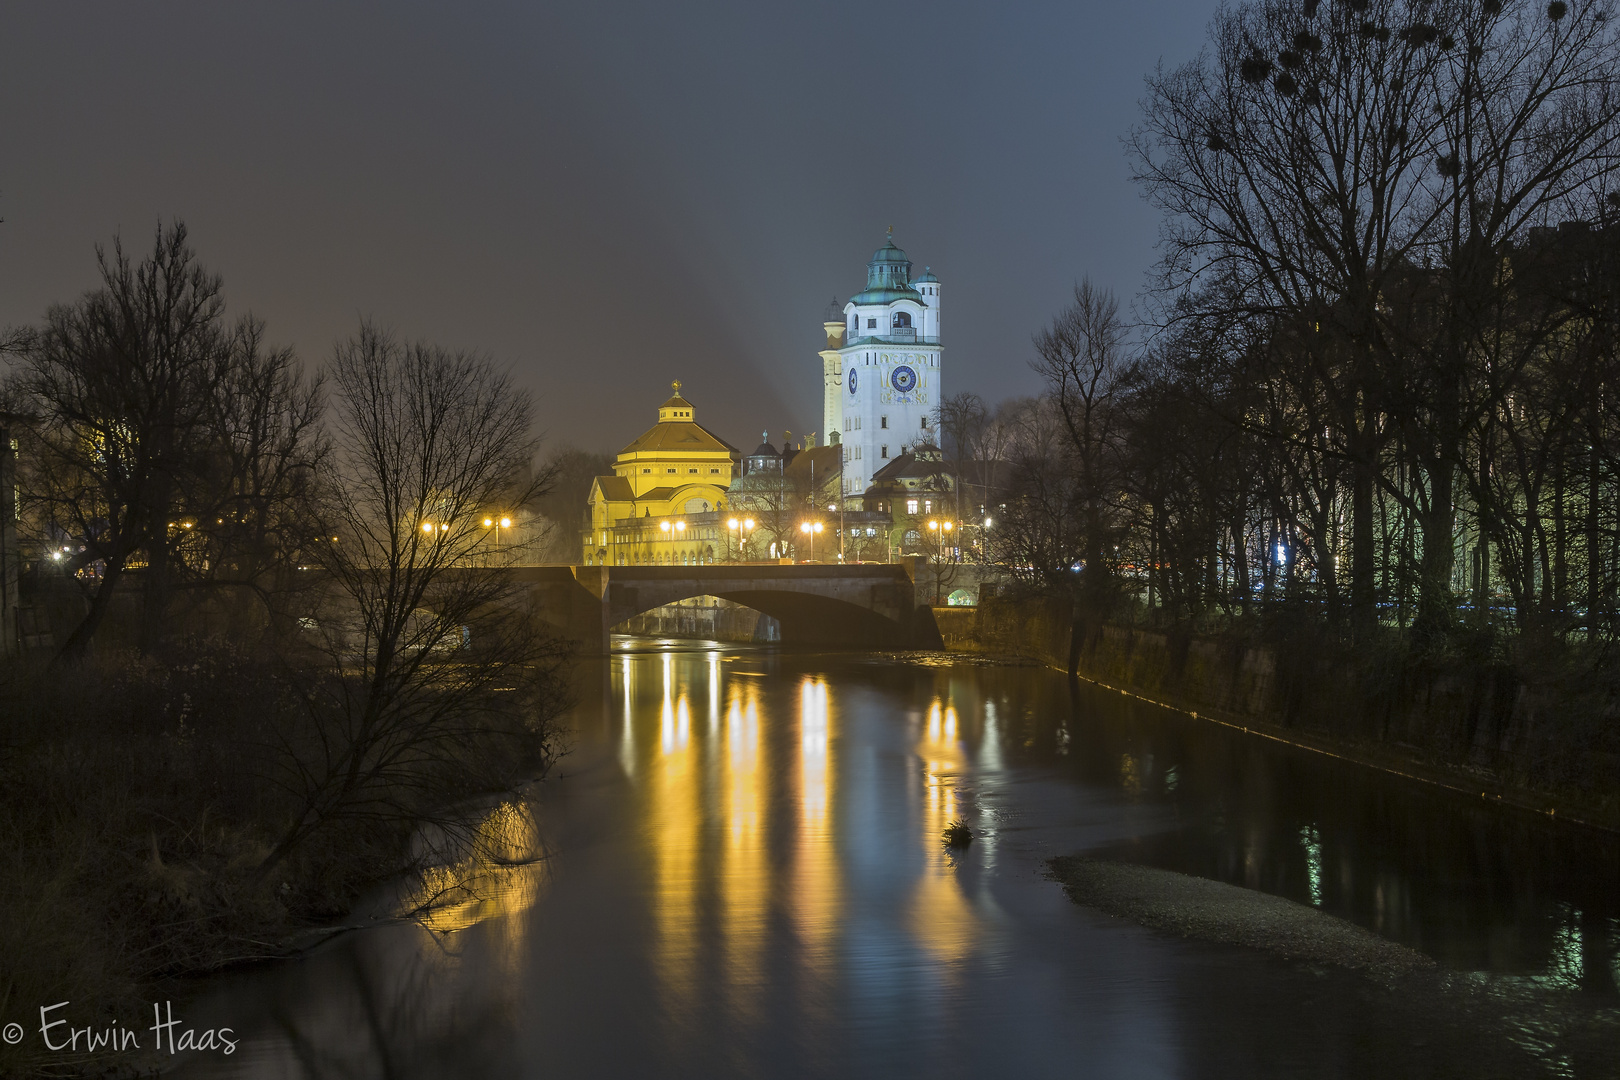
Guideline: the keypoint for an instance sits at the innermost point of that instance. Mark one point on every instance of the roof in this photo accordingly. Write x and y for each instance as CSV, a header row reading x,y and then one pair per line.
x,y
616,488
920,462
765,449
888,253
828,461
927,275
886,294
679,437
676,401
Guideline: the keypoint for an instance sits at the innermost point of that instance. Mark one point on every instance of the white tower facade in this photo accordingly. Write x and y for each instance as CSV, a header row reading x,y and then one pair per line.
x,y
886,378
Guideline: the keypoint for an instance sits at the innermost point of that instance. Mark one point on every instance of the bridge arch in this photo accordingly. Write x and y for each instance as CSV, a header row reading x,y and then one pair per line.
x,y
861,606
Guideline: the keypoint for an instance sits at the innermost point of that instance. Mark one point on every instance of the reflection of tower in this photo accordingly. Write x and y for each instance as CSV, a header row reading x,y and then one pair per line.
x,y
885,364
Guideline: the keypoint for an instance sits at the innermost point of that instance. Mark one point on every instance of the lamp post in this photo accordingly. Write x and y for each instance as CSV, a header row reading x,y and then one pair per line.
x,y
741,528
810,529
672,530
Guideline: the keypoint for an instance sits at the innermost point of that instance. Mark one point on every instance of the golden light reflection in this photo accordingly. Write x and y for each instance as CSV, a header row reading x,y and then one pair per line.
x,y
674,801
496,877
816,881
744,873
942,919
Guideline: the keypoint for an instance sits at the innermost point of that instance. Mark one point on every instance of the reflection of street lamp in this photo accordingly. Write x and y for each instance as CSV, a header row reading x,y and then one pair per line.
x,y
742,529
810,529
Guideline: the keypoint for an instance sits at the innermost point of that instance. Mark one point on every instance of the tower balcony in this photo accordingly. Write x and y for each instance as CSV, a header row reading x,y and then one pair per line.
x,y
895,335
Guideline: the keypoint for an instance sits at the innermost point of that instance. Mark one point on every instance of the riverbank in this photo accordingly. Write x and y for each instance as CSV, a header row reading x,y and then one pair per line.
x,y
1536,735
141,805
1194,907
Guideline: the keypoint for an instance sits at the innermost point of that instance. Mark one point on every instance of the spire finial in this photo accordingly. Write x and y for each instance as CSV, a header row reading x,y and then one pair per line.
x,y
677,385
891,232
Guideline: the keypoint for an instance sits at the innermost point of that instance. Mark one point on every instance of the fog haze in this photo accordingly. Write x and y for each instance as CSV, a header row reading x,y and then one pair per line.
x,y
606,196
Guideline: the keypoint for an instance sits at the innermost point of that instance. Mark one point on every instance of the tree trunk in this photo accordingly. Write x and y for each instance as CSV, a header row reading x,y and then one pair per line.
x,y
77,646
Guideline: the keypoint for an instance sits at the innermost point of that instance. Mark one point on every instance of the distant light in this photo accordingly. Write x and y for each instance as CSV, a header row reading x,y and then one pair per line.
x,y
444,526
664,525
427,526
748,523
731,524
57,555
805,527
680,526
987,523
818,526
506,523
488,522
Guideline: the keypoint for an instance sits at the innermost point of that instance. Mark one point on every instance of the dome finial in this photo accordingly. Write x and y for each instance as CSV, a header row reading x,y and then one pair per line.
x,y
676,385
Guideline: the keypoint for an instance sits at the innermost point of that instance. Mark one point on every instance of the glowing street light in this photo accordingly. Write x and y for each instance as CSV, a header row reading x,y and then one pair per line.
x,y
810,529
741,529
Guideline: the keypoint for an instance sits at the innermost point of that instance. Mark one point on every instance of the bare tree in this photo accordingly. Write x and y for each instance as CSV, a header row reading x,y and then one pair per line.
x,y
121,385
1327,159
438,682
1080,358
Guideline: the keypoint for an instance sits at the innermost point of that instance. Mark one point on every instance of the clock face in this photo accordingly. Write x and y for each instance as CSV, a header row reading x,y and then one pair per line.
x,y
852,381
904,379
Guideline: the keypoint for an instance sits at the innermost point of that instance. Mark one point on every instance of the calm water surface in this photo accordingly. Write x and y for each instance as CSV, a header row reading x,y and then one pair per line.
x,y
745,878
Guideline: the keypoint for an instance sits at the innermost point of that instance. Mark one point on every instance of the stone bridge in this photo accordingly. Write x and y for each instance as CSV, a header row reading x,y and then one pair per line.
x,y
860,606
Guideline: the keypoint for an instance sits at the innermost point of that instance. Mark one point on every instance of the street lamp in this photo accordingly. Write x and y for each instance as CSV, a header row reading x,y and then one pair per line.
x,y
497,524
810,529
741,528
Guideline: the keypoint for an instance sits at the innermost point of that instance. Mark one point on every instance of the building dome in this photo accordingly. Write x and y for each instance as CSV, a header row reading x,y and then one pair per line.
x,y
926,277
889,267
834,312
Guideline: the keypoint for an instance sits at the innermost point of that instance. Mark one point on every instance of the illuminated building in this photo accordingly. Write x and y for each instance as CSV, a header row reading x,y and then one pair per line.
x,y
662,505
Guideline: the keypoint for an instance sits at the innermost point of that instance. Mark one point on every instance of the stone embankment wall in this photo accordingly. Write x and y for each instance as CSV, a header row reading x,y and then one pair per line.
x,y
1536,734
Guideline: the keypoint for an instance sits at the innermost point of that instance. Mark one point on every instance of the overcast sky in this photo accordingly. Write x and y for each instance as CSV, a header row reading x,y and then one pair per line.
x,y
605,196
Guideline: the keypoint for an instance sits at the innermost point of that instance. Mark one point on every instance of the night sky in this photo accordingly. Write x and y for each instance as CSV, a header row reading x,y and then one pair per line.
x,y
605,196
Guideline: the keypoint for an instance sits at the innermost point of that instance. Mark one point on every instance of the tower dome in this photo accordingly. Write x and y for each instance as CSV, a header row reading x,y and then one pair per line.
x,y
889,267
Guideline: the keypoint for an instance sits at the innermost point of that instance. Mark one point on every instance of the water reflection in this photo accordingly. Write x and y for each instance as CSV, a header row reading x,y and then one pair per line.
x,y
749,880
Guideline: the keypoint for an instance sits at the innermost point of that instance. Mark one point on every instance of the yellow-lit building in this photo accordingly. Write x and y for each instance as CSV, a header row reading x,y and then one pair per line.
x,y
663,503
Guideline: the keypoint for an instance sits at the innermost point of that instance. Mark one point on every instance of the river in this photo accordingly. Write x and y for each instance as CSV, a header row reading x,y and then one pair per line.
x,y
744,877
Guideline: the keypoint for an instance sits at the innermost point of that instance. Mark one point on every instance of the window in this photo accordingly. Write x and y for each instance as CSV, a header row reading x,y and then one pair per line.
x,y
884,422
885,451
928,506
669,470
693,472
714,472
911,506
646,470
902,319
871,324
925,423
857,453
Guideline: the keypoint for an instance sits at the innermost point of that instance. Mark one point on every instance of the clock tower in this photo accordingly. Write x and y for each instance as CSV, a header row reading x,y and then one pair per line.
x,y
881,368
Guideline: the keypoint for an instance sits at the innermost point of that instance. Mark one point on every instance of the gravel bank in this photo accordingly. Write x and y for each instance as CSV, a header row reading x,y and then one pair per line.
x,y
1194,907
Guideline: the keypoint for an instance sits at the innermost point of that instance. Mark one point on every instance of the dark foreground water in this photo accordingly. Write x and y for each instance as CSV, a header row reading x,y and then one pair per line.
x,y
745,878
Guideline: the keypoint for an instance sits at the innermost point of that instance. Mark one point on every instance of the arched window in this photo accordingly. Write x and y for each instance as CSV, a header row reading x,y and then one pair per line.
x,y
902,319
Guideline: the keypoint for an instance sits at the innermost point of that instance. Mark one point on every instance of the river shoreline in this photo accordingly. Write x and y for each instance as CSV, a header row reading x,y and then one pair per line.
x,y
1237,693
